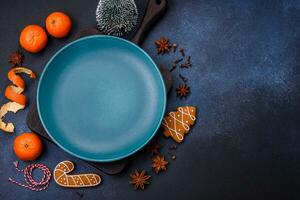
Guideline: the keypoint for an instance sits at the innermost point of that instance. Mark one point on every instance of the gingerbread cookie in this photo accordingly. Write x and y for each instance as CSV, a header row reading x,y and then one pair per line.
x,y
178,123
63,179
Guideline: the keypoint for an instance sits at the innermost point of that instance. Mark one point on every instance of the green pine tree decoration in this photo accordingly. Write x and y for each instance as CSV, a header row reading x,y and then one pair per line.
x,y
116,17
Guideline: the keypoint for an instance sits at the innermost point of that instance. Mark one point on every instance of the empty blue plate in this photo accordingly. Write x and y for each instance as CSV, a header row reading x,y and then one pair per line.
x,y
101,98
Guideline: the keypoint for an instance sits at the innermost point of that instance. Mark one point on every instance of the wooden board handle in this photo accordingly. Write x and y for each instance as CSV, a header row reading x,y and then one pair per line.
x,y
154,11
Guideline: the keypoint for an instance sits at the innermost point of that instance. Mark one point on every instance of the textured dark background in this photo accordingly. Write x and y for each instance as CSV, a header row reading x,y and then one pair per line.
x,y
244,81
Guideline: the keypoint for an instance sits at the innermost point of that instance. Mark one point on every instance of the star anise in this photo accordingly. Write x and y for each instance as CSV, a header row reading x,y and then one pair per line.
x,y
153,148
162,45
139,179
16,58
183,90
159,163
181,50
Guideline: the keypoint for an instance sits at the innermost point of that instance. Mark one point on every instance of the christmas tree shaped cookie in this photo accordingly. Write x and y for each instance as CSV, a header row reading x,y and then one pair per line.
x,y
178,123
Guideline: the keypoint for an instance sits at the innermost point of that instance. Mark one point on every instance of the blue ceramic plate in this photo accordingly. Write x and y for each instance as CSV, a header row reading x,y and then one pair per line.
x,y
101,98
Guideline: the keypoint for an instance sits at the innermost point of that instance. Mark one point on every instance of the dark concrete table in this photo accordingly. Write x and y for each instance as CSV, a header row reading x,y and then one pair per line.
x,y
245,82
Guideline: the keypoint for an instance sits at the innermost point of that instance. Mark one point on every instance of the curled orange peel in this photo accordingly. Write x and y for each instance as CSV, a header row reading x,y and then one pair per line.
x,y
5,108
17,79
13,93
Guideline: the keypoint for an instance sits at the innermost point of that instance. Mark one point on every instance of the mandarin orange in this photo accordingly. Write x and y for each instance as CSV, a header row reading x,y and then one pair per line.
x,y
58,24
33,38
28,146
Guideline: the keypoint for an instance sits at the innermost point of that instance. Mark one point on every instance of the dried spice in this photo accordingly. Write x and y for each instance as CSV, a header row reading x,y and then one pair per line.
x,y
173,67
162,45
183,90
139,179
153,148
16,58
178,61
189,60
174,46
173,157
184,79
184,65
181,50
159,163
187,63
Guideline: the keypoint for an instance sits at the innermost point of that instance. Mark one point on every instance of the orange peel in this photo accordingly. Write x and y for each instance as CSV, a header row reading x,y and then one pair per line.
x,y
13,93
17,79
5,108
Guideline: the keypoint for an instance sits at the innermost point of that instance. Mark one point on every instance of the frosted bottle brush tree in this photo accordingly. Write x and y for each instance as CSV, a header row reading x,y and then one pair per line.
x,y
116,17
